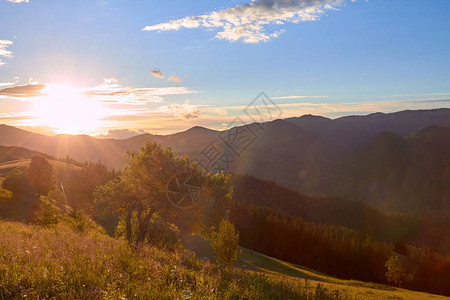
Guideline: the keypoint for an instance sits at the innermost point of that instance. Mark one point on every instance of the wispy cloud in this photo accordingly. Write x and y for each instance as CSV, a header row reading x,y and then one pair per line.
x,y
157,73
22,91
250,22
114,93
174,78
184,110
440,94
18,1
120,134
3,84
110,92
298,97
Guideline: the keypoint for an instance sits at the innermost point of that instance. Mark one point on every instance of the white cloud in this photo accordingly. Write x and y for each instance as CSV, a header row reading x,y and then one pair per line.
x,y
249,22
3,84
183,111
4,44
18,1
110,80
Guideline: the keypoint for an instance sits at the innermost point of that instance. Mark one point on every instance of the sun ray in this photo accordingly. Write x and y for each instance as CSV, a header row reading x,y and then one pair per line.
x,y
67,110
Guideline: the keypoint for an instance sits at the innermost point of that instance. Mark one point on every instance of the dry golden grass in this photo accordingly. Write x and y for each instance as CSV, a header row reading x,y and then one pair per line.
x,y
58,263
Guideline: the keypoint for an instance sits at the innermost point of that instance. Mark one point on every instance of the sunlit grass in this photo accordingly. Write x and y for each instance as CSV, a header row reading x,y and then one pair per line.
x,y
38,263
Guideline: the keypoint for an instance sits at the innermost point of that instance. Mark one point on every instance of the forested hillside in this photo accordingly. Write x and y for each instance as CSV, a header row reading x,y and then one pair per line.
x,y
396,162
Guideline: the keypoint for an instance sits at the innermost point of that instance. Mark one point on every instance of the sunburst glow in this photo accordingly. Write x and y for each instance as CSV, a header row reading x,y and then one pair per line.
x,y
66,109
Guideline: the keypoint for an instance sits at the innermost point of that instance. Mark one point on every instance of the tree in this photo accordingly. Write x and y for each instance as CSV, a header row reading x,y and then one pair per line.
x,y
225,244
396,272
40,173
18,183
141,190
47,214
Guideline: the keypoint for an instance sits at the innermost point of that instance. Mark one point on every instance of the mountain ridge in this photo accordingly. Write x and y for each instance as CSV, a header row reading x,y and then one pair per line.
x,y
312,154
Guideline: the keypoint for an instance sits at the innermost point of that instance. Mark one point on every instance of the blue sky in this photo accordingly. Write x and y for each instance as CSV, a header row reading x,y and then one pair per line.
x,y
327,57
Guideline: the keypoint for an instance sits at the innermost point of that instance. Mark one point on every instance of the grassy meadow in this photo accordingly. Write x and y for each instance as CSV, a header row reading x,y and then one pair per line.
x,y
61,263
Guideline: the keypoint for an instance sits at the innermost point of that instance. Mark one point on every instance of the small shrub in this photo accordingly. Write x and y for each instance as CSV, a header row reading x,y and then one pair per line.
x,y
225,244
78,221
320,292
396,273
47,214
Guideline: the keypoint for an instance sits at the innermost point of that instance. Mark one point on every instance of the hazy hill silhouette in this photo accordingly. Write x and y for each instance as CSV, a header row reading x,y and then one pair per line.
x,y
12,153
394,161
112,152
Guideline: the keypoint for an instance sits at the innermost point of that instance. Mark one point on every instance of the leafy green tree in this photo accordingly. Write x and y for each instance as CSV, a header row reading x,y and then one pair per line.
x,y
40,173
225,244
142,188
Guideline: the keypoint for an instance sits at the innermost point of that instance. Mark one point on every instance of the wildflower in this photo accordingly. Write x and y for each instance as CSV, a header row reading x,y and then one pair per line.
x,y
213,290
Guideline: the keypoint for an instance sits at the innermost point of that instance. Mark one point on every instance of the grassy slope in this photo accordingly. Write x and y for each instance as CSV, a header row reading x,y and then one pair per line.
x,y
257,262
22,163
58,263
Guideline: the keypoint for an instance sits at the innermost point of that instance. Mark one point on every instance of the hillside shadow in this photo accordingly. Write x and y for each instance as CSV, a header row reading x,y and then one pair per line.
x,y
257,262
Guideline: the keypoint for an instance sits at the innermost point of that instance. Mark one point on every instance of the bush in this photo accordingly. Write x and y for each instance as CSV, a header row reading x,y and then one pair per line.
x,y
396,273
47,214
225,244
78,221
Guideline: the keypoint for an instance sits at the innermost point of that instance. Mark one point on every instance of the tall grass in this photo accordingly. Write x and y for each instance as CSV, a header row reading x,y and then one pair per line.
x,y
59,263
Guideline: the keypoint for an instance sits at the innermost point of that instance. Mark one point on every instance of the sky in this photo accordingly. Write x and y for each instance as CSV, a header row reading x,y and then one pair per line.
x,y
115,68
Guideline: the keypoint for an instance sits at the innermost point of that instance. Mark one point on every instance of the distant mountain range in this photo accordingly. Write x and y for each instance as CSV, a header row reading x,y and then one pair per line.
x,y
398,162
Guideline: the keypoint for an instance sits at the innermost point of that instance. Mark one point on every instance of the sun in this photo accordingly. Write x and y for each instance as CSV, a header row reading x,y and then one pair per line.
x,y
67,110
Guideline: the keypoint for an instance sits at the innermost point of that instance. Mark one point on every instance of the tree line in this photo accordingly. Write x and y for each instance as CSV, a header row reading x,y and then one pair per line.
x,y
339,251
